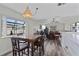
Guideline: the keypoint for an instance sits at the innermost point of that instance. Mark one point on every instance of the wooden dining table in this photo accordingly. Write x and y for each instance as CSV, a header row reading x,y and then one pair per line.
x,y
31,40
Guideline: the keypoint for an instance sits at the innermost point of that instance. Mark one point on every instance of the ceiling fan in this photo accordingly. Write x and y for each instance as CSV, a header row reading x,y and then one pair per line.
x,y
60,4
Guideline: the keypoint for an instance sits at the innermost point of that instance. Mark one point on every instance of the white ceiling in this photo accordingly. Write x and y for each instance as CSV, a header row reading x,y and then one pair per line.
x,y
46,10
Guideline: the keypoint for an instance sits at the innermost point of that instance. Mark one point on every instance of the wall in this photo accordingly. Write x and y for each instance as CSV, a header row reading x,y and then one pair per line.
x,y
33,26
5,45
0,26
4,11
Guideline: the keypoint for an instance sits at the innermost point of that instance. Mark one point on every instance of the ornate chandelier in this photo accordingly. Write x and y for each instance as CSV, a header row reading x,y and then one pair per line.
x,y
28,13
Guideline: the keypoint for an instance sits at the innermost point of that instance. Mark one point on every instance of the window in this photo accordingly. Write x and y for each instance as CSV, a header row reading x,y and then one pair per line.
x,y
15,27
75,27
43,27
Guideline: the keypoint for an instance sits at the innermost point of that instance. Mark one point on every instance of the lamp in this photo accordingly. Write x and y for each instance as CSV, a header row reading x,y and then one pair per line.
x,y
28,13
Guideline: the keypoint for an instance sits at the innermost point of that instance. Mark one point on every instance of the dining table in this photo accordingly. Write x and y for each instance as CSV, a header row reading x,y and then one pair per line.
x,y
31,40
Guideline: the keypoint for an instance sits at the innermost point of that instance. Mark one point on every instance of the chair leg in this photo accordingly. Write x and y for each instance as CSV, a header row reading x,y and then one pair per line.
x,y
22,53
28,51
39,51
19,53
14,53
43,49
37,48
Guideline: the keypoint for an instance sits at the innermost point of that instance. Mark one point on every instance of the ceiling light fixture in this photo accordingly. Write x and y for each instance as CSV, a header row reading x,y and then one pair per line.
x,y
28,13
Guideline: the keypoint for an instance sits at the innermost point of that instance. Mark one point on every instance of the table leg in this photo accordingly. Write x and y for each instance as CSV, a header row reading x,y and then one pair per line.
x,y
28,48
32,52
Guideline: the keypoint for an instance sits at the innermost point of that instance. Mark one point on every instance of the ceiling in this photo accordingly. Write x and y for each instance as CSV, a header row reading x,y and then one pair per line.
x,y
46,10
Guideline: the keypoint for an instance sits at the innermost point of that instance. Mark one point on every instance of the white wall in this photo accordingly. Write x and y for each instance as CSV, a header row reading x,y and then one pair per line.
x,y
0,26
4,11
68,21
4,27
5,45
33,26
64,23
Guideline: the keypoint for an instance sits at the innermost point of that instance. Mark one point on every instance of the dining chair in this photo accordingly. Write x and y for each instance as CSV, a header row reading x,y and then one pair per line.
x,y
58,37
39,44
19,46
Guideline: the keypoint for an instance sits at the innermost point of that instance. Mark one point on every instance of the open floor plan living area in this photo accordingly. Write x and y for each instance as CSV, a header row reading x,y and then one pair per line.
x,y
39,29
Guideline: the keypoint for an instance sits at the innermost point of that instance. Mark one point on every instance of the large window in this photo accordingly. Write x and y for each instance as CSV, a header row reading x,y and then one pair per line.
x,y
15,27
75,27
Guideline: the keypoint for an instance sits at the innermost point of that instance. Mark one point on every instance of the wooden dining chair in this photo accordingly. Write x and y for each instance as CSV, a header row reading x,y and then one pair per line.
x,y
51,35
58,37
19,46
39,44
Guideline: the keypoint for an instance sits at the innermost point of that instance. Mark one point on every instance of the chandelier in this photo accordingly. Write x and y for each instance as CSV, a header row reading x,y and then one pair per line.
x,y
28,13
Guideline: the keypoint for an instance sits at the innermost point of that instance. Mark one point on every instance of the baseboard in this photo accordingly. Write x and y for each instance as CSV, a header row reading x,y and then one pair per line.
x,y
5,54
